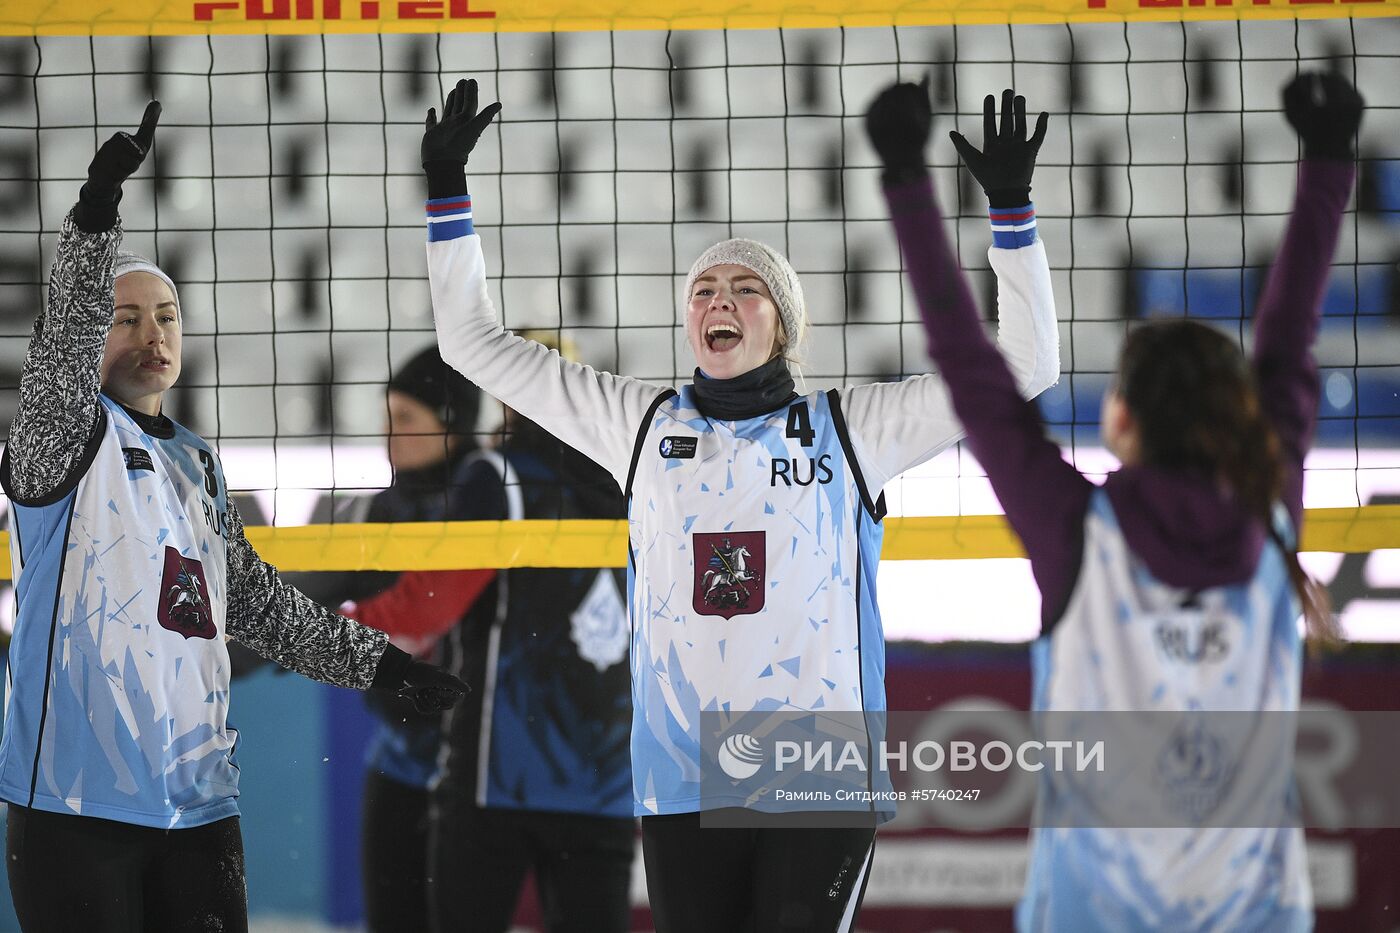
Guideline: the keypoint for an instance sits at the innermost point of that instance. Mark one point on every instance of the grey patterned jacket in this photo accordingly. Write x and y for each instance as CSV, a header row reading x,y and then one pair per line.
x,y
58,412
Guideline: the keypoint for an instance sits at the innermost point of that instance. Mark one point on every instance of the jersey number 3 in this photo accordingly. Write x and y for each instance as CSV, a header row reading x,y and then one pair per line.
x,y
211,479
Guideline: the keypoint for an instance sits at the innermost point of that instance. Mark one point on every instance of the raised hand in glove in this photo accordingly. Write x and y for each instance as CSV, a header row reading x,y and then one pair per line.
x,y
1325,110
431,688
448,142
116,161
899,122
1004,166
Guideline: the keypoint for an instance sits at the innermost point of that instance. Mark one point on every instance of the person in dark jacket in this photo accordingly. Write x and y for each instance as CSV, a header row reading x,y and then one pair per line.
x,y
432,414
535,773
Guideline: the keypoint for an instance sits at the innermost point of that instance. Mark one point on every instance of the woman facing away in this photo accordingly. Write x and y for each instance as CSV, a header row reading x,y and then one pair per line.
x,y
1192,541
754,512
131,568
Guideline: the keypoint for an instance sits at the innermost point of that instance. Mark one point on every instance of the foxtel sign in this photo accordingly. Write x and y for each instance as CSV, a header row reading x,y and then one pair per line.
x,y
364,10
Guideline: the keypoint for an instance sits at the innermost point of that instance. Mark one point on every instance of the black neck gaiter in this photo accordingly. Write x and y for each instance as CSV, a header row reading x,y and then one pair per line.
x,y
156,425
756,392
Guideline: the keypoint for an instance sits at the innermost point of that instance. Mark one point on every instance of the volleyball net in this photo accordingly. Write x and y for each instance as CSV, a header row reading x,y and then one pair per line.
x,y
284,197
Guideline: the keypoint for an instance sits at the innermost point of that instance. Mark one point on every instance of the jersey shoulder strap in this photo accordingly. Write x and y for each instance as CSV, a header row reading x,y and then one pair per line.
x,y
642,430
875,506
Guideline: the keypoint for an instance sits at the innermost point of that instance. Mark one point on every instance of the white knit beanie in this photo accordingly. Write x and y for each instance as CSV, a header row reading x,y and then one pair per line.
x,y
127,263
775,271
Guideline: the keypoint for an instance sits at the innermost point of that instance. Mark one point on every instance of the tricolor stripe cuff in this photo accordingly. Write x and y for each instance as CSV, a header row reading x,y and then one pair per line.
x,y
449,218
1013,227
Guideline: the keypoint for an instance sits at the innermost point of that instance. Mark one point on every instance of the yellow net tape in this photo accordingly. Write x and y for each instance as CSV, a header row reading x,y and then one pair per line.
x,y
577,543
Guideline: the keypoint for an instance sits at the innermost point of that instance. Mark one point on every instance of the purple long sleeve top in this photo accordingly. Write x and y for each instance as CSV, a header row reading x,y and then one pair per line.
x,y
1189,533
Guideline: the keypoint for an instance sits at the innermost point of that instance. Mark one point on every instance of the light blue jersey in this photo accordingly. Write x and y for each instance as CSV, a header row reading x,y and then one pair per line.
x,y
754,549
752,544
119,675
1128,642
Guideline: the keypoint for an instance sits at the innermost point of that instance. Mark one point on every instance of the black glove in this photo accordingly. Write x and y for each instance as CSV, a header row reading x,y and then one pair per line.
x,y
447,143
431,688
1325,110
899,122
1004,166
115,162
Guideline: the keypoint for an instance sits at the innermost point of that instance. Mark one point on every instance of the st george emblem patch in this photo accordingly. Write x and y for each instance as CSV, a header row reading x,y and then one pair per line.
x,y
184,597
729,573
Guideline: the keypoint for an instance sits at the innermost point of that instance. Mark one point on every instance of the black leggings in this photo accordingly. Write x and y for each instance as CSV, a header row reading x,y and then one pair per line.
x,y
703,879
582,866
80,874
394,855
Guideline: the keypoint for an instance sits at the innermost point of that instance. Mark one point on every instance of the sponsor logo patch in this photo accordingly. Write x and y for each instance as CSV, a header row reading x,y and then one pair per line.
x,y
138,458
678,448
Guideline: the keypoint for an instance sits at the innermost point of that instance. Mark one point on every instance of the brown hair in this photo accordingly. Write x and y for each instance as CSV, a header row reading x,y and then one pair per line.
x,y
1193,397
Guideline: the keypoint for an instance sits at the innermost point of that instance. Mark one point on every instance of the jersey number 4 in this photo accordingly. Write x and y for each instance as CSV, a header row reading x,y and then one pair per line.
x,y
799,425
